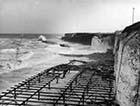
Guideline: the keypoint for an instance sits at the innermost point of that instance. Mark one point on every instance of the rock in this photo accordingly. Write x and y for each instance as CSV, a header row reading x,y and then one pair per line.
x,y
131,28
64,45
127,67
86,38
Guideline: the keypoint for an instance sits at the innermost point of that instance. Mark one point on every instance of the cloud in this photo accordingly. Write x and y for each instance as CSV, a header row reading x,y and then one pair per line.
x,y
66,15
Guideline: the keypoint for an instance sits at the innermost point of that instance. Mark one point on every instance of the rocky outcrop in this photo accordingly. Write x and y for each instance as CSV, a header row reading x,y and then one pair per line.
x,y
127,66
87,38
102,43
83,38
134,27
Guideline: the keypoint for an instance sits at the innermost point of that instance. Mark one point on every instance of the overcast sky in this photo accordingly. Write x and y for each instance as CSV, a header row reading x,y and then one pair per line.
x,y
59,16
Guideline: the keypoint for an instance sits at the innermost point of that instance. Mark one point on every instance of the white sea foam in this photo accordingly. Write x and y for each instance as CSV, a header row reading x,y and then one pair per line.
x,y
74,49
39,58
26,56
8,50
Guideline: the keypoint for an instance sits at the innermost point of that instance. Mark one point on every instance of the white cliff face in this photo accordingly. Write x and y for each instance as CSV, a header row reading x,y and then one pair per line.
x,y
100,45
127,70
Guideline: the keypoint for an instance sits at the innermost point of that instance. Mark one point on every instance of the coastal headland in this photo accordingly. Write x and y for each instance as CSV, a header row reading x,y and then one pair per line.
x,y
107,76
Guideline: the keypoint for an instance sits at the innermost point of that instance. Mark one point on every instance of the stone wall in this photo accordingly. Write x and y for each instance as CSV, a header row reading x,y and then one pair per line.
x,y
127,69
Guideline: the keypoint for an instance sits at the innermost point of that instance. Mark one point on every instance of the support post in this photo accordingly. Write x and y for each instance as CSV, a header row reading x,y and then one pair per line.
x,y
64,99
110,85
38,95
49,85
76,81
57,79
15,93
71,87
39,78
83,98
64,73
28,84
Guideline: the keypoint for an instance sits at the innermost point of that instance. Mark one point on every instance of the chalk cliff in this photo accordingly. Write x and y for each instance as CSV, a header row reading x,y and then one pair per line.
x,y
127,66
98,41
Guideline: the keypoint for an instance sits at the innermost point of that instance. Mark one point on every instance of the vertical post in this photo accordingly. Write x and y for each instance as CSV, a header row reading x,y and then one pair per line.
x,y
76,81
87,88
57,78
71,87
133,15
80,75
28,84
68,70
83,98
110,83
64,99
54,71
46,72
54,104
39,78
64,73
38,95
49,85
15,93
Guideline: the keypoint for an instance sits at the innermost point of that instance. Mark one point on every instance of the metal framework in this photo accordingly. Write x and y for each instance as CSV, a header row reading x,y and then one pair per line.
x,y
21,94
88,86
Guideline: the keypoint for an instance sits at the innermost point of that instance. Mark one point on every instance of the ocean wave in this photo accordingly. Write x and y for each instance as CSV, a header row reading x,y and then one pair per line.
x,y
74,49
28,35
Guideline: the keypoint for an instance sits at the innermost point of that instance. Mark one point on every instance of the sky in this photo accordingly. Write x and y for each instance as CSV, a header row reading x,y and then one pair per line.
x,y
61,16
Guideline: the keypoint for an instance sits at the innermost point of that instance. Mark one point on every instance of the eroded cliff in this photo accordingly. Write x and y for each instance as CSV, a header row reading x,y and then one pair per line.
x,y
127,67
98,41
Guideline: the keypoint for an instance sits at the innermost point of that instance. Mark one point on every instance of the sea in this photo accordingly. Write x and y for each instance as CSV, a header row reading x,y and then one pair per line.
x,y
36,55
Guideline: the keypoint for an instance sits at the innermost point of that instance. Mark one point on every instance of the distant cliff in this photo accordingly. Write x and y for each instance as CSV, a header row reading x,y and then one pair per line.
x,y
86,38
83,38
100,42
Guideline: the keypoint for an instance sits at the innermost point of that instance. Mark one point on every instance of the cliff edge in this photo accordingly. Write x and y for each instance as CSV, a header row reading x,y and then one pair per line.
x,y
127,66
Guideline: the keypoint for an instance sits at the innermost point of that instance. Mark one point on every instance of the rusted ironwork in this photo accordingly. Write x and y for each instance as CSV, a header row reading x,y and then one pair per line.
x,y
89,85
11,96
82,89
